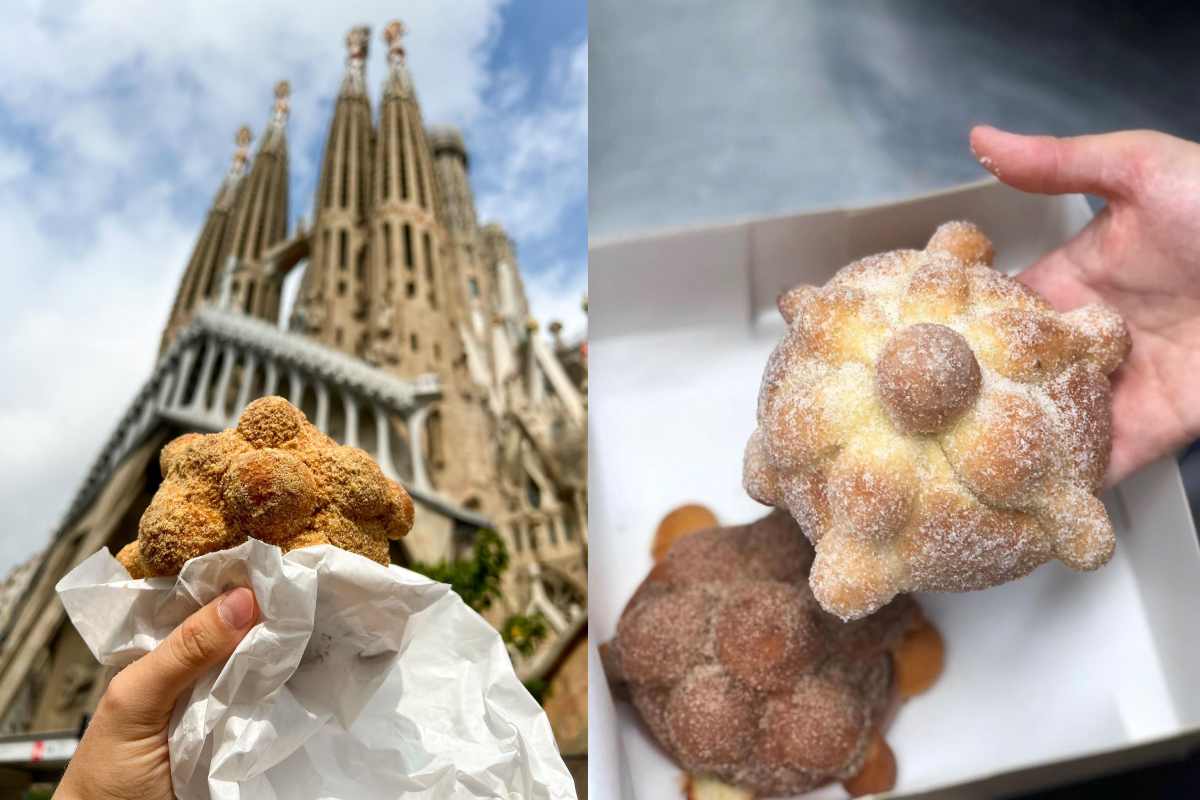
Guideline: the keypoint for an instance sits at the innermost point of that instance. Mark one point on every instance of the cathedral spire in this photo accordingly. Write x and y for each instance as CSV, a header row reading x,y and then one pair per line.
x,y
398,79
259,220
200,278
277,127
241,154
414,313
332,300
407,273
358,40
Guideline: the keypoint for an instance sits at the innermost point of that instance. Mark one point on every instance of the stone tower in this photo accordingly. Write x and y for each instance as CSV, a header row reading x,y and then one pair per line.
x,y
382,281
201,278
260,221
499,259
470,290
332,303
248,216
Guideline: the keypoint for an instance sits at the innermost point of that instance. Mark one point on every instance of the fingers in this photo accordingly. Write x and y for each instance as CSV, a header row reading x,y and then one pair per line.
x,y
1099,165
145,692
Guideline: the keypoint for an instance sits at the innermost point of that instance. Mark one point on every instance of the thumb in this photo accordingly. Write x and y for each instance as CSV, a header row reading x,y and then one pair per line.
x,y
144,693
1097,164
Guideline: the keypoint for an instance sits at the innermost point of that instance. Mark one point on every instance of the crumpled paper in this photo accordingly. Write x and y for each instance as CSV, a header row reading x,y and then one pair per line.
x,y
359,681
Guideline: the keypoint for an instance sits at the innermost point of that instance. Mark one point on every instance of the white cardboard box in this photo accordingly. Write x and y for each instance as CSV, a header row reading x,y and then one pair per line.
x,y
1049,679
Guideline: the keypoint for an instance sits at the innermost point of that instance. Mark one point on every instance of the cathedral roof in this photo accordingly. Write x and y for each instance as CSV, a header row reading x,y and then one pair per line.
x,y
155,404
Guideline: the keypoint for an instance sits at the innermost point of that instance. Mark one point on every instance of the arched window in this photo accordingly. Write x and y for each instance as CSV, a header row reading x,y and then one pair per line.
x,y
533,493
400,145
417,168
429,273
345,193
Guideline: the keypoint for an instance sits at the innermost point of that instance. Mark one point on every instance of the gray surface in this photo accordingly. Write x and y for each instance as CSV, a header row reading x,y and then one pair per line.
x,y
707,109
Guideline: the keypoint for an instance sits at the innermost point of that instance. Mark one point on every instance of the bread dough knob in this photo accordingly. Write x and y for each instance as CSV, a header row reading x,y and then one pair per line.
x,y
927,377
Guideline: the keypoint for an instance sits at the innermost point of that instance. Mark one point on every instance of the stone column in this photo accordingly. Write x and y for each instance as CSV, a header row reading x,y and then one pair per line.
x,y
271,383
581,515
322,420
295,387
248,369
218,409
210,358
383,442
558,527
350,403
185,366
416,440
166,389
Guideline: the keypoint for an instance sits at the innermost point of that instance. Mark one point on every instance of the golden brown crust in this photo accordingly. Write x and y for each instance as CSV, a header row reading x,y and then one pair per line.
x,y
275,477
131,559
683,521
936,425
878,773
270,493
964,242
918,660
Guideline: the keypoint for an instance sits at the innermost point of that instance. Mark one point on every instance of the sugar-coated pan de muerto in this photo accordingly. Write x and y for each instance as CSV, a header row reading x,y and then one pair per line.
x,y
935,425
744,680
274,477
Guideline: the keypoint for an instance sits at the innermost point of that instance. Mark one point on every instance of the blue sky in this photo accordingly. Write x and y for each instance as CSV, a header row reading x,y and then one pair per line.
x,y
116,126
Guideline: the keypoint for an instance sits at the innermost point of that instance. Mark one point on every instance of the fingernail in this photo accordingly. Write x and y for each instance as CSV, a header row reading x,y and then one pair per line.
x,y
237,608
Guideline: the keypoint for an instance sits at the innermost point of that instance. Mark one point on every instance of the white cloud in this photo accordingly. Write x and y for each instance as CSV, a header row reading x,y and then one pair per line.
x,y
557,294
15,163
542,163
533,167
76,344
119,117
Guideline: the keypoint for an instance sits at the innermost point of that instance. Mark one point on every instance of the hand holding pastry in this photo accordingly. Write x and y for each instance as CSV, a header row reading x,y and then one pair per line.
x,y
124,752
1140,255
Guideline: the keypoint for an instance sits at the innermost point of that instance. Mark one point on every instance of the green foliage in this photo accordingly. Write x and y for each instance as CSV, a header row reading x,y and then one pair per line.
x,y
524,631
539,688
476,579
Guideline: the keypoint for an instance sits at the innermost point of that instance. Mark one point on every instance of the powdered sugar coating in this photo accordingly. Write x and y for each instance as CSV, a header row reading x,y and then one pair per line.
x,y
738,672
934,424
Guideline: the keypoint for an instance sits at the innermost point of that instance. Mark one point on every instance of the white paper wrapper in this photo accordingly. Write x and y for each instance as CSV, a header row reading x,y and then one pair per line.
x,y
360,681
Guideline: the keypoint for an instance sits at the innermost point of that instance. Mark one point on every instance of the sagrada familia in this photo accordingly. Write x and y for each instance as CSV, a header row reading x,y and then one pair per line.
x,y
410,336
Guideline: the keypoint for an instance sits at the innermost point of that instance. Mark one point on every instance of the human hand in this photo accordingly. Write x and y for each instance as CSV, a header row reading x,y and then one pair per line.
x,y
1141,255
123,754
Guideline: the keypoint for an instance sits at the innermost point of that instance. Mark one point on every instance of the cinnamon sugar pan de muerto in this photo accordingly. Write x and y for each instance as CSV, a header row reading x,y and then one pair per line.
x,y
274,477
746,682
933,424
